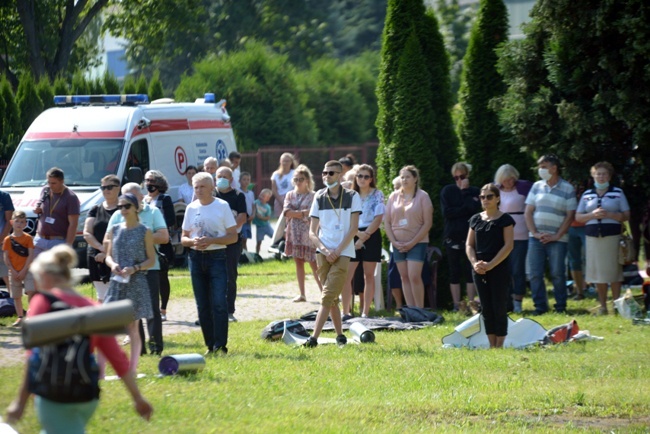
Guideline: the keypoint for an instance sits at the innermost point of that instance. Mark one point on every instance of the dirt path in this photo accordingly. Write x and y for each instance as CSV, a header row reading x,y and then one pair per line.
x,y
272,303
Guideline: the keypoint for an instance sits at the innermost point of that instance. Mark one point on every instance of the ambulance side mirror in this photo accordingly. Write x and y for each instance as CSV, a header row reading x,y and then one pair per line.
x,y
135,175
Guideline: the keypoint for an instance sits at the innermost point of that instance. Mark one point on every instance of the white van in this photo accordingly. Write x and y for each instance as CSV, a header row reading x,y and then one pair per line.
x,y
89,137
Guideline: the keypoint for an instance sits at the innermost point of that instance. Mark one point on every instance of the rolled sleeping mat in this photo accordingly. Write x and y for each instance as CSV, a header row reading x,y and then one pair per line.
x,y
361,333
53,327
181,363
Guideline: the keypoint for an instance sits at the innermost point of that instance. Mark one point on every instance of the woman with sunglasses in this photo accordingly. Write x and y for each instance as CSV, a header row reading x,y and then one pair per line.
x,y
129,252
367,242
297,204
94,231
489,242
459,202
408,219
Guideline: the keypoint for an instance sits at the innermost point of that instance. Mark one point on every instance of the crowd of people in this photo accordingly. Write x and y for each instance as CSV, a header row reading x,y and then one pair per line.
x,y
497,238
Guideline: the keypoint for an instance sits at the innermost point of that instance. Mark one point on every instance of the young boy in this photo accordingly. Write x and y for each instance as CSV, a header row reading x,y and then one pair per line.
x,y
246,232
262,215
18,255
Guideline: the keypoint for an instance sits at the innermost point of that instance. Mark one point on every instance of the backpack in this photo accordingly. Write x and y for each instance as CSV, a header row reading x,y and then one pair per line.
x,y
7,307
562,333
275,330
64,372
419,314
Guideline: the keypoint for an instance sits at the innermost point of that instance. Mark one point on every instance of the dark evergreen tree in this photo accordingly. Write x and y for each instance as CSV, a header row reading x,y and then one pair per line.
x,y
129,85
61,86
156,87
141,86
80,85
45,92
12,130
96,86
485,145
111,85
29,103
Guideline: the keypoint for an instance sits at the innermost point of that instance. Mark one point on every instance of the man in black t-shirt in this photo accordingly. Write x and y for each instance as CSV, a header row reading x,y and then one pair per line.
x,y
237,202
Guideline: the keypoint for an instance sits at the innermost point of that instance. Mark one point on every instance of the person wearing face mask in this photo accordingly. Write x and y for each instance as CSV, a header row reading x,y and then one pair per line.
x,y
550,208
603,208
157,185
459,202
237,202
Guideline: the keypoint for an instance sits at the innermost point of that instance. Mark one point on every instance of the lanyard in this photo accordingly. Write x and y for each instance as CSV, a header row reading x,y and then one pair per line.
x,y
55,203
338,214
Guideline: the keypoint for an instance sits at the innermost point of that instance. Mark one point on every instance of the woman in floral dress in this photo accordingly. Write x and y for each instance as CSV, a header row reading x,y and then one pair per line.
x,y
297,203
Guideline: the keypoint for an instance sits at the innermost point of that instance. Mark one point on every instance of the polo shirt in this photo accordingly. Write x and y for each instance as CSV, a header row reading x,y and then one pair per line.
x,y
551,205
613,200
334,216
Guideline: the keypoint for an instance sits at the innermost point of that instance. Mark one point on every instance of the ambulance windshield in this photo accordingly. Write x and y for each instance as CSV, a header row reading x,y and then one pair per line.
x,y
84,162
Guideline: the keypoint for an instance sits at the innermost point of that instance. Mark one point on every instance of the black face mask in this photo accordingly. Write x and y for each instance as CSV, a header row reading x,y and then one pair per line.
x,y
152,188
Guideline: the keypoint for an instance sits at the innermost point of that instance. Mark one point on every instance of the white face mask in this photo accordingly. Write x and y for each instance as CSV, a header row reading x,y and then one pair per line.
x,y
332,185
543,173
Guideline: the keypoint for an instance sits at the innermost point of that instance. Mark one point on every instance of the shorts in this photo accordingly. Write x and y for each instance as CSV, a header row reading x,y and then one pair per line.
x,y
417,254
4,270
246,231
371,252
261,231
16,286
332,276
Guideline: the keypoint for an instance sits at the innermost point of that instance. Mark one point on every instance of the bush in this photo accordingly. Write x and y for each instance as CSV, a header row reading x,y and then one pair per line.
x,y
45,92
156,87
264,101
29,103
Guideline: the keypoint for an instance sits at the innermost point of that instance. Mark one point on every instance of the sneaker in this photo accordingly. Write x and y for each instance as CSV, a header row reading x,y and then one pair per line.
x,y
126,341
341,340
346,317
578,297
217,351
231,318
18,322
312,342
300,299
601,311
363,315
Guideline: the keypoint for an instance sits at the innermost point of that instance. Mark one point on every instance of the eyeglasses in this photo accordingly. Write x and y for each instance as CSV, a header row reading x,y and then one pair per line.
x,y
298,179
329,172
125,206
460,177
486,196
360,176
108,187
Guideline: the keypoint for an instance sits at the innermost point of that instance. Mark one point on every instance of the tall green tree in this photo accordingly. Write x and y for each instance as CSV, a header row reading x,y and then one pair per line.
x,y
578,86
61,86
48,37
129,85
355,26
29,103
485,145
263,96
80,85
155,87
141,85
12,130
111,84
45,92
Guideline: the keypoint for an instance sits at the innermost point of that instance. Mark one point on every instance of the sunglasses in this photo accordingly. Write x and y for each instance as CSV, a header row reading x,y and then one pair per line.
x,y
460,177
360,176
486,196
125,206
329,172
298,179
108,187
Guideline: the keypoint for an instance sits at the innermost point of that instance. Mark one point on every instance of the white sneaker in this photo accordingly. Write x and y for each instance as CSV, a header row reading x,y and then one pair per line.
x,y
126,341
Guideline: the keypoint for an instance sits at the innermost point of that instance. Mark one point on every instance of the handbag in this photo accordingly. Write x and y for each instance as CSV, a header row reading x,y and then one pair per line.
x,y
626,252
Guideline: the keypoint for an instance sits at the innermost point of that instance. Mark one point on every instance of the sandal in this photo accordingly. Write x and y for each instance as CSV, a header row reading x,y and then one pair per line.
x,y
300,299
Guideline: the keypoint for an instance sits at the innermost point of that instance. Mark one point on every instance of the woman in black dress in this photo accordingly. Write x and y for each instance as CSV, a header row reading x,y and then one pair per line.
x,y
94,231
489,243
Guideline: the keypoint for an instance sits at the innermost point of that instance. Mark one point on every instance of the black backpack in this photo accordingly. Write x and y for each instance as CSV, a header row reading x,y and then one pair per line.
x,y
66,371
275,330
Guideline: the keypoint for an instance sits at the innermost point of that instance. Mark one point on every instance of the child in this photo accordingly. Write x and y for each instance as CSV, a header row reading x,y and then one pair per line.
x,y
262,216
246,232
18,255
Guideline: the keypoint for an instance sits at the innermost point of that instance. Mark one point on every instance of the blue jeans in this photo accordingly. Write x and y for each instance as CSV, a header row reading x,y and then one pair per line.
x,y
576,247
209,282
538,253
518,267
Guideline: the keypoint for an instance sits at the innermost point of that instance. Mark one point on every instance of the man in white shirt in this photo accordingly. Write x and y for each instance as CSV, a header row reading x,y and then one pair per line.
x,y
334,222
208,227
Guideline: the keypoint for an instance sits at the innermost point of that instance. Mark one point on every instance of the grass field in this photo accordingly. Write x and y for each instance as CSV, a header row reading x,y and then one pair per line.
x,y
405,382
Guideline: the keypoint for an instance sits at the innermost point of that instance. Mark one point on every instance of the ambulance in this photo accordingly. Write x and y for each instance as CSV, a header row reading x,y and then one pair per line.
x,y
91,136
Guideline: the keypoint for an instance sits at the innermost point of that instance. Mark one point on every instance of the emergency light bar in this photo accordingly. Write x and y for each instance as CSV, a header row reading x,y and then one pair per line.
x,y
100,99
